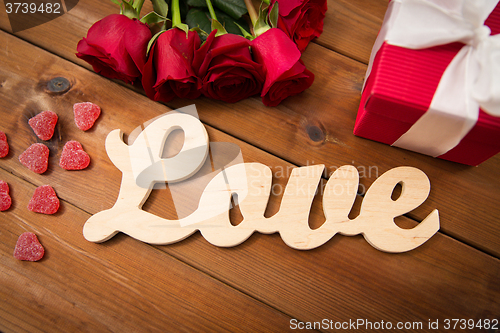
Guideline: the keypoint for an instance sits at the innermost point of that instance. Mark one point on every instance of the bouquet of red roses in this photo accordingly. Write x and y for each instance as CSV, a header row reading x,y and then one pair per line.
x,y
199,48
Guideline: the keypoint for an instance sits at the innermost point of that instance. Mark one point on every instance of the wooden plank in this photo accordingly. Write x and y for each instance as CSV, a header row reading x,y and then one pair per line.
x,y
316,127
344,279
322,131
120,286
351,27
253,181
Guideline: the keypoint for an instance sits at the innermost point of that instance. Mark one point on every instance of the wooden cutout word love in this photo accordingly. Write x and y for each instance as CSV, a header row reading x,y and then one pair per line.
x,y
141,166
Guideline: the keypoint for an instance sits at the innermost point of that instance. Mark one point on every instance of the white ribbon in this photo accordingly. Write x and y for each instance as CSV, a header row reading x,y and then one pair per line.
x,y
472,79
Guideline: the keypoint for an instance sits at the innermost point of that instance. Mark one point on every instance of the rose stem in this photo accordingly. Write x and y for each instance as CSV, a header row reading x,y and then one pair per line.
x,y
211,10
176,13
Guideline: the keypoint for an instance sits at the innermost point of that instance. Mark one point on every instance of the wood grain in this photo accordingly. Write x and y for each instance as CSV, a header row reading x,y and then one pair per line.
x,y
122,286
321,132
346,278
351,27
252,183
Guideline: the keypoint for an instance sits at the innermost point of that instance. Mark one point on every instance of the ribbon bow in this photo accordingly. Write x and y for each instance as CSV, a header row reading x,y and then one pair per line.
x,y
423,24
472,79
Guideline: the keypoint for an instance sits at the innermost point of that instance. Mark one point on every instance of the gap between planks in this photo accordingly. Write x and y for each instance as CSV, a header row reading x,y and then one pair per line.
x,y
139,91
158,248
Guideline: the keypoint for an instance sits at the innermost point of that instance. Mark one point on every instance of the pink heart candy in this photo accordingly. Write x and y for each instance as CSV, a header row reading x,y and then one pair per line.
x,y
43,124
86,114
4,145
36,158
44,200
28,247
73,157
5,199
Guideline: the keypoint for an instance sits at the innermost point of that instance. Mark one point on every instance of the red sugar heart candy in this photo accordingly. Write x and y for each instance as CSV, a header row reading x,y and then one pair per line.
x,y
86,114
43,124
28,247
73,157
5,200
36,158
4,145
44,200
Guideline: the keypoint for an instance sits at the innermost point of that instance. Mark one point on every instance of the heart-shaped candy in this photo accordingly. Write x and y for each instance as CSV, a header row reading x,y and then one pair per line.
x,y
73,157
86,114
5,199
4,145
44,200
43,124
28,247
36,158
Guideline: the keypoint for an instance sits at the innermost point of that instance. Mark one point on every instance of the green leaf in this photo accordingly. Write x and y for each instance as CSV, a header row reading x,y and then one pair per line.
x,y
230,24
128,10
152,40
137,4
261,25
160,7
116,2
183,27
197,3
199,17
152,18
202,33
273,15
220,29
233,8
245,33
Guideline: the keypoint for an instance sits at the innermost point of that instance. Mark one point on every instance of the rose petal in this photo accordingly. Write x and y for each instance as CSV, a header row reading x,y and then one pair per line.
x,y
276,52
116,47
168,72
286,74
227,69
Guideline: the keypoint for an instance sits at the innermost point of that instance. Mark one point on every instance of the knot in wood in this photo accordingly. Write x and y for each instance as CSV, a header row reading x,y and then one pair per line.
x,y
315,133
58,85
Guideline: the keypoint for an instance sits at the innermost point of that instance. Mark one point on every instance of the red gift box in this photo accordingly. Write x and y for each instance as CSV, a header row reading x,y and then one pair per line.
x,y
400,88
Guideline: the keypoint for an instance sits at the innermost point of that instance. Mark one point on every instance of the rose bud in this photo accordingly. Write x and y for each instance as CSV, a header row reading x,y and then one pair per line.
x,y
226,68
302,20
286,74
168,71
116,47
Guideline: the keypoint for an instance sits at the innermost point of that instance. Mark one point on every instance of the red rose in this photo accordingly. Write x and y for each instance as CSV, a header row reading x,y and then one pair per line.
x,y
302,20
286,74
168,72
226,68
116,47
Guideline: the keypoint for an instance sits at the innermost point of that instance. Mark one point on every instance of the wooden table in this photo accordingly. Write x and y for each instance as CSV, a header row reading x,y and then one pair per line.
x,y
262,285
